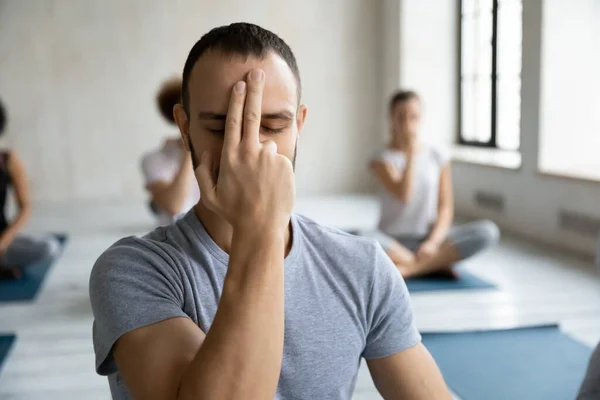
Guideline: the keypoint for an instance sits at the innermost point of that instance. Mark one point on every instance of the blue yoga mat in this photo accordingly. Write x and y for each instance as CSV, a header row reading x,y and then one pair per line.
x,y
534,363
465,280
26,289
6,342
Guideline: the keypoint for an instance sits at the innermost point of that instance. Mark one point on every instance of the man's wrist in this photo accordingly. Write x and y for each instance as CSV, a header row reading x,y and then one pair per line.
x,y
253,228
249,243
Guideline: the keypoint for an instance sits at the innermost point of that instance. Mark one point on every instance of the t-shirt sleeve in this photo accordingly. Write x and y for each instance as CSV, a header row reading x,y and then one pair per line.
x,y
131,286
391,328
154,168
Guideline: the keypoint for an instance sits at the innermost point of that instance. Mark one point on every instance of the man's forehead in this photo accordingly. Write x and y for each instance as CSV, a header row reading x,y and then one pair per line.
x,y
215,73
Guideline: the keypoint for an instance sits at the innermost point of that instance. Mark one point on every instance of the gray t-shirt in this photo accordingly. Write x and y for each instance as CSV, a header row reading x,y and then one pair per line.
x,y
414,218
344,299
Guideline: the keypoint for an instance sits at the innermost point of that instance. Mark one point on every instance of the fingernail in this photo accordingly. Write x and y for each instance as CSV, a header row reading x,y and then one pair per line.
x,y
240,87
256,75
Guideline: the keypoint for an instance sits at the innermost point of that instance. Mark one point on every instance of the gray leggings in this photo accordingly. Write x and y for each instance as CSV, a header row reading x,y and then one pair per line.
x,y
468,239
25,250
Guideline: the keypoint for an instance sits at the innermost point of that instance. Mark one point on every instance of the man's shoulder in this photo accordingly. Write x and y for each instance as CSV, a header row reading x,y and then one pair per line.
x,y
134,252
311,226
359,261
337,243
138,265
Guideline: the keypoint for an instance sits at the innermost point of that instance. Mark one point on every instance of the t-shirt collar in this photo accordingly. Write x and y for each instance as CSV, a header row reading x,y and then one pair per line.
x,y
191,219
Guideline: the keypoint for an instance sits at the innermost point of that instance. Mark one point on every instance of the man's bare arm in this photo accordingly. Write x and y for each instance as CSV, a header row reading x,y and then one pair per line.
x,y
153,359
411,374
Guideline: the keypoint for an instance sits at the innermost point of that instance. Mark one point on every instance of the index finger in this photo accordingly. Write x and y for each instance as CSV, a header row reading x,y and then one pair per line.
x,y
233,122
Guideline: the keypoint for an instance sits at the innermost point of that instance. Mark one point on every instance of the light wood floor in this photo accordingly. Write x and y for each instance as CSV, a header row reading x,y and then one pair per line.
x,y
53,355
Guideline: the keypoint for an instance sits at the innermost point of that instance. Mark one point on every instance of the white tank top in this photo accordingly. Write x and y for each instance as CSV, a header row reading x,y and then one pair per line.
x,y
415,218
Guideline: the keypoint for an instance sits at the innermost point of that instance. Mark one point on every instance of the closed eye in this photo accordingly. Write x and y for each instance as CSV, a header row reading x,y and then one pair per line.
x,y
273,131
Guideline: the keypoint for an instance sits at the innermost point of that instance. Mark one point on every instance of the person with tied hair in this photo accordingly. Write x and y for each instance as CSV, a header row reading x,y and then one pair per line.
x,y
17,251
167,171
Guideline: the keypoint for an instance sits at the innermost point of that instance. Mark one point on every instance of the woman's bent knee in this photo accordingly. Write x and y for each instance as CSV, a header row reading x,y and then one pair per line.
x,y
490,233
476,237
48,249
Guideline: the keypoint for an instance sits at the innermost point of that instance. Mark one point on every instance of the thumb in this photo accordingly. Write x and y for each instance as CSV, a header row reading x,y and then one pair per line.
x,y
206,181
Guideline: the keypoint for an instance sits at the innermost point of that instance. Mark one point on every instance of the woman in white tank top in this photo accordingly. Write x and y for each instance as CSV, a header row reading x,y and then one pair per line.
x,y
417,205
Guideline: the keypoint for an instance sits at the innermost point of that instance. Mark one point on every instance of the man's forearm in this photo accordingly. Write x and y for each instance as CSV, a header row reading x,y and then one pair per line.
x,y
242,352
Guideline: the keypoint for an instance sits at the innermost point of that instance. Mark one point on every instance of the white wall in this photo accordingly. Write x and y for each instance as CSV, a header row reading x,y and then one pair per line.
x,y
79,79
429,63
391,64
420,54
532,201
571,88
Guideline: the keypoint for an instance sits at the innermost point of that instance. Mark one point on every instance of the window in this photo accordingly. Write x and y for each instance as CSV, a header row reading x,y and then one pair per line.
x,y
490,68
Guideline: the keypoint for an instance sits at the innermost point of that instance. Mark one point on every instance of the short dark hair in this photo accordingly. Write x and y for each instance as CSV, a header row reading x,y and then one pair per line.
x,y
168,95
243,39
2,118
402,96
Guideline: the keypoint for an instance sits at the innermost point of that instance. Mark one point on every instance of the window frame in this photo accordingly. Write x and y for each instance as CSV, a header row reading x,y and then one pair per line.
x,y
492,142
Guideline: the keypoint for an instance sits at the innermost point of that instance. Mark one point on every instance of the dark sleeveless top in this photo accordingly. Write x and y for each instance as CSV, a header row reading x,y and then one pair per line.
x,y
5,182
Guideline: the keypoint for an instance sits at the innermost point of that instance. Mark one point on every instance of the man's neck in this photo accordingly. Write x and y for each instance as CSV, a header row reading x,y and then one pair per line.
x,y
221,231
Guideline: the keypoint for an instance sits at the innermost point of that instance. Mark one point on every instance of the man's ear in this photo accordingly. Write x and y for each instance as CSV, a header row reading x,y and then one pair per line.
x,y
184,125
300,117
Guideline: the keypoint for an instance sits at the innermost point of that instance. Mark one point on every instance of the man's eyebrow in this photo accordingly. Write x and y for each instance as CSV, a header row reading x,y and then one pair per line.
x,y
212,115
284,115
